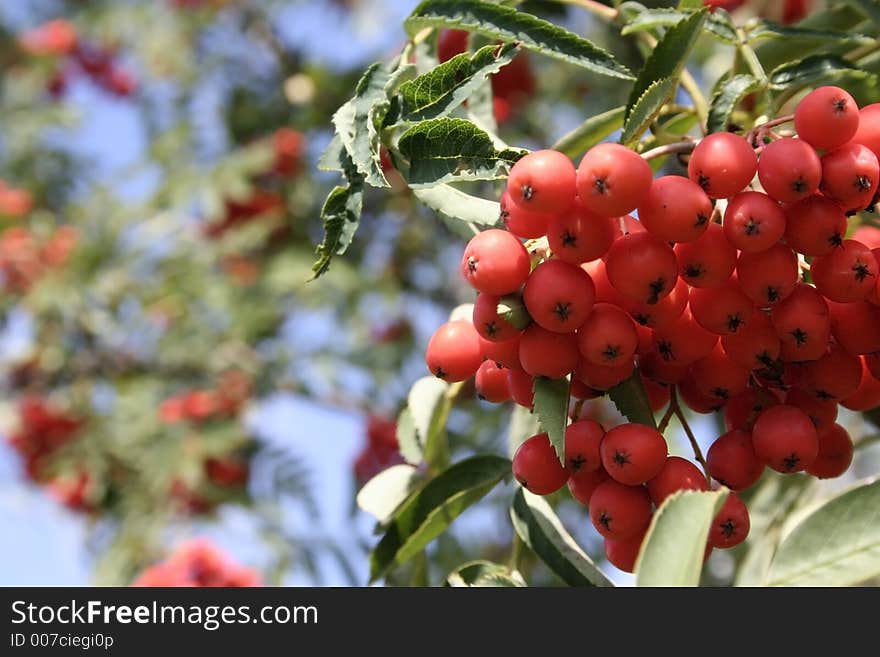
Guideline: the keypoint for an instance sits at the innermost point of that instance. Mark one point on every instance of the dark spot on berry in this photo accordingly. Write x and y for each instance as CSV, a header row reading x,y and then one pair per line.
x,y
693,271
823,394
527,192
656,288
621,458
721,393
862,271
611,352
480,396
562,310
790,462
728,528
702,220
504,214
703,181
772,294
472,265
605,520
800,336
664,348
642,318
734,322
836,240
799,185
863,183
440,374
839,105
492,329
752,227
576,463
601,185
569,239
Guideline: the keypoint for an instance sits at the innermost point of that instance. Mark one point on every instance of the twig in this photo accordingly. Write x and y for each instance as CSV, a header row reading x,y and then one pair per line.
x,y
679,413
670,149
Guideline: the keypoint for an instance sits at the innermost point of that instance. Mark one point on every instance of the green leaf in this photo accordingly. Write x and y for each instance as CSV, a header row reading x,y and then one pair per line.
x,y
483,573
427,513
508,24
815,70
340,216
447,149
551,407
815,37
523,425
540,528
441,90
334,157
590,132
411,448
718,23
429,401
666,60
385,492
674,547
456,204
869,8
690,4
729,95
631,400
837,545
646,109
356,123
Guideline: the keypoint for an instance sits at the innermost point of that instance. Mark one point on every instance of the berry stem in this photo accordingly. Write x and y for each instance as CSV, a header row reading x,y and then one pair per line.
x,y
756,134
669,149
596,8
679,413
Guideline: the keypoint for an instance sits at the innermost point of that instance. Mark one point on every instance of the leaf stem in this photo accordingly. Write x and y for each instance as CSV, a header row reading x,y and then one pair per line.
x,y
596,8
670,149
679,413
689,84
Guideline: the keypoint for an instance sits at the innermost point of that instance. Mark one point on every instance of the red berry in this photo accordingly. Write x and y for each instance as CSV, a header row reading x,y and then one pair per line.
x,y
731,526
850,175
835,453
454,353
489,324
693,396
822,412
755,346
868,133
522,222
559,296
722,309
741,411
684,341
709,260
732,460
633,453
675,209
522,387
847,274
504,353
612,180
801,321
582,439
543,181
536,466
661,314
677,474
642,267
451,43
855,326
768,276
495,262
664,372
600,377
826,117
608,337
867,396
753,222
577,235
814,226
619,511
723,164
658,394
716,375
584,483
623,553
785,439
491,383
545,353
789,170
836,375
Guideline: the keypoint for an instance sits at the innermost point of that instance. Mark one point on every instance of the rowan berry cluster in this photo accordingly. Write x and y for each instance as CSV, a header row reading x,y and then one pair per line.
x,y
198,563
736,288
381,450
25,256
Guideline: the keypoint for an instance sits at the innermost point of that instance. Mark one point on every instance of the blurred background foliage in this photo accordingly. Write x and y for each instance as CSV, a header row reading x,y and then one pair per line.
x,y
156,304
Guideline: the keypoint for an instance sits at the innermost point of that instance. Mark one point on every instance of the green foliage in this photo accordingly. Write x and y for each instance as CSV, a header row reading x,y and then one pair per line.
x,y
590,132
484,573
551,408
631,400
673,551
730,94
384,493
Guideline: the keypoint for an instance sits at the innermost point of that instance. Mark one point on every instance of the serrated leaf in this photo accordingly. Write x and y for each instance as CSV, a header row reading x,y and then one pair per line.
x,y
646,109
456,204
483,573
355,123
428,402
590,132
438,92
551,408
334,157
410,444
385,492
718,23
508,24
448,149
540,528
340,217
837,545
815,70
427,513
869,8
674,548
729,95
769,30
631,400
523,425
667,59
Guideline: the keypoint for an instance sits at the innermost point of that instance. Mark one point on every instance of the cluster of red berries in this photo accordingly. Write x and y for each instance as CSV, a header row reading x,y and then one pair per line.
x,y
15,202
59,39
747,300
227,400
25,258
381,450
512,86
288,147
198,563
